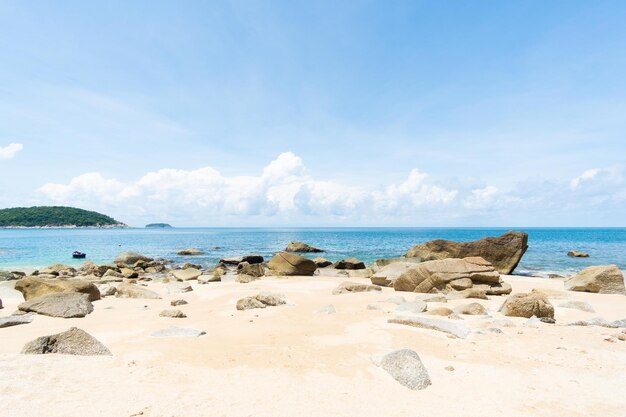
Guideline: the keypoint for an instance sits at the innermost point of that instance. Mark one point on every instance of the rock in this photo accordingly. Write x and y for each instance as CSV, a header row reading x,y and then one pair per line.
x,y
302,247
71,342
469,293
405,367
254,270
577,254
261,300
431,298
245,279
251,259
386,275
174,331
461,284
131,258
350,263
116,274
135,291
178,288
603,279
504,252
175,303
329,309
347,287
472,309
15,320
453,328
57,269
190,252
320,262
186,274
596,321
1,306
503,288
417,306
32,287
106,290
396,299
578,305
433,276
440,311
8,276
188,265
290,264
527,305
64,305
548,320
174,314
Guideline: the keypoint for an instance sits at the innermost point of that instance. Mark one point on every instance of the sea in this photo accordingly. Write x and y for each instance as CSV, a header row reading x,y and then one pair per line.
x,y
27,249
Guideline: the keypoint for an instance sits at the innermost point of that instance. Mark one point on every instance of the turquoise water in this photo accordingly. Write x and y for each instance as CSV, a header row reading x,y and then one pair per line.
x,y
31,248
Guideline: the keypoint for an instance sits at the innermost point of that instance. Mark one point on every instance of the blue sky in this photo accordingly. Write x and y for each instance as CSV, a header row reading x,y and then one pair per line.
x,y
431,113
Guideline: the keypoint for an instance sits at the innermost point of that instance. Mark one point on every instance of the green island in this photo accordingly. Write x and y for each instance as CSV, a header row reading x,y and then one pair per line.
x,y
158,226
55,216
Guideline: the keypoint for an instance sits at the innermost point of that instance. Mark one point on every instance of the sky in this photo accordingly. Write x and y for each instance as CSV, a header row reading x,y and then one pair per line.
x,y
325,113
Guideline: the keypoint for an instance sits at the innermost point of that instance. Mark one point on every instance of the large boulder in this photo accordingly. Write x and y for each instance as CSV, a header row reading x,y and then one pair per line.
x,y
253,270
135,291
72,342
534,303
387,274
190,252
504,252
405,367
290,264
131,258
603,279
445,275
350,263
186,274
64,305
302,247
32,287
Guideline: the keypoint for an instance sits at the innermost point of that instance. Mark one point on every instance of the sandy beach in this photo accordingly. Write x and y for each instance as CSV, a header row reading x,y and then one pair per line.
x,y
293,360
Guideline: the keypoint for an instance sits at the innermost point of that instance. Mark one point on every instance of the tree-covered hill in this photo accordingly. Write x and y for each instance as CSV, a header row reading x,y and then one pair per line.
x,y
54,217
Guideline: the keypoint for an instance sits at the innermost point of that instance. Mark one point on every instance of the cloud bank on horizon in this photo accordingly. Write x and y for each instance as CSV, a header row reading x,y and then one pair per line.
x,y
286,193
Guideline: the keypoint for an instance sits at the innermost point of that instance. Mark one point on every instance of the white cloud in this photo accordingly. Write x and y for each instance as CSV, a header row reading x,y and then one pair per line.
x,y
481,197
588,175
10,150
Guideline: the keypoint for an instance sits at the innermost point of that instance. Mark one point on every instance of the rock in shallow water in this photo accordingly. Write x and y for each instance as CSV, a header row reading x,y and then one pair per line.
x,y
405,367
290,264
302,247
72,342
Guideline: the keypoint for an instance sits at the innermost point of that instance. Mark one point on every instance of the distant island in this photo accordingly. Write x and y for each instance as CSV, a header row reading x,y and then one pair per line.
x,y
55,216
158,226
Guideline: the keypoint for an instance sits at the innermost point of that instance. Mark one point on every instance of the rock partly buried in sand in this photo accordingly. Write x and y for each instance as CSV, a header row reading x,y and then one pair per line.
x,y
577,254
64,305
245,279
472,309
72,342
190,252
440,311
178,288
290,264
329,309
447,275
261,300
596,321
417,306
348,287
602,279
322,262
456,329
174,331
15,320
503,252
175,303
186,274
32,287
174,314
477,293
578,305
405,367
131,258
534,303
302,247
350,263
135,291
254,270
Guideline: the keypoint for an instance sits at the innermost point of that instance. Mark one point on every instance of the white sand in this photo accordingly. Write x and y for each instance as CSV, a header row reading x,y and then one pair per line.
x,y
291,361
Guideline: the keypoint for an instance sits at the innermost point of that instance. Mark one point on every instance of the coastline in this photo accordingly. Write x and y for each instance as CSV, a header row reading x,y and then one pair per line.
x,y
69,226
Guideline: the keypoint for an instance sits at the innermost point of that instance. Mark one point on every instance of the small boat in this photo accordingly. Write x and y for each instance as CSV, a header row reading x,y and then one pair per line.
x,y
78,254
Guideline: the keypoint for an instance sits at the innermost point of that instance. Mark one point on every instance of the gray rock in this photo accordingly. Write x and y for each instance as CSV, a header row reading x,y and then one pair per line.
x,y
8,276
348,287
329,309
453,328
15,320
405,367
412,307
65,305
396,299
72,342
578,305
178,287
174,314
431,298
596,321
619,323
174,331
